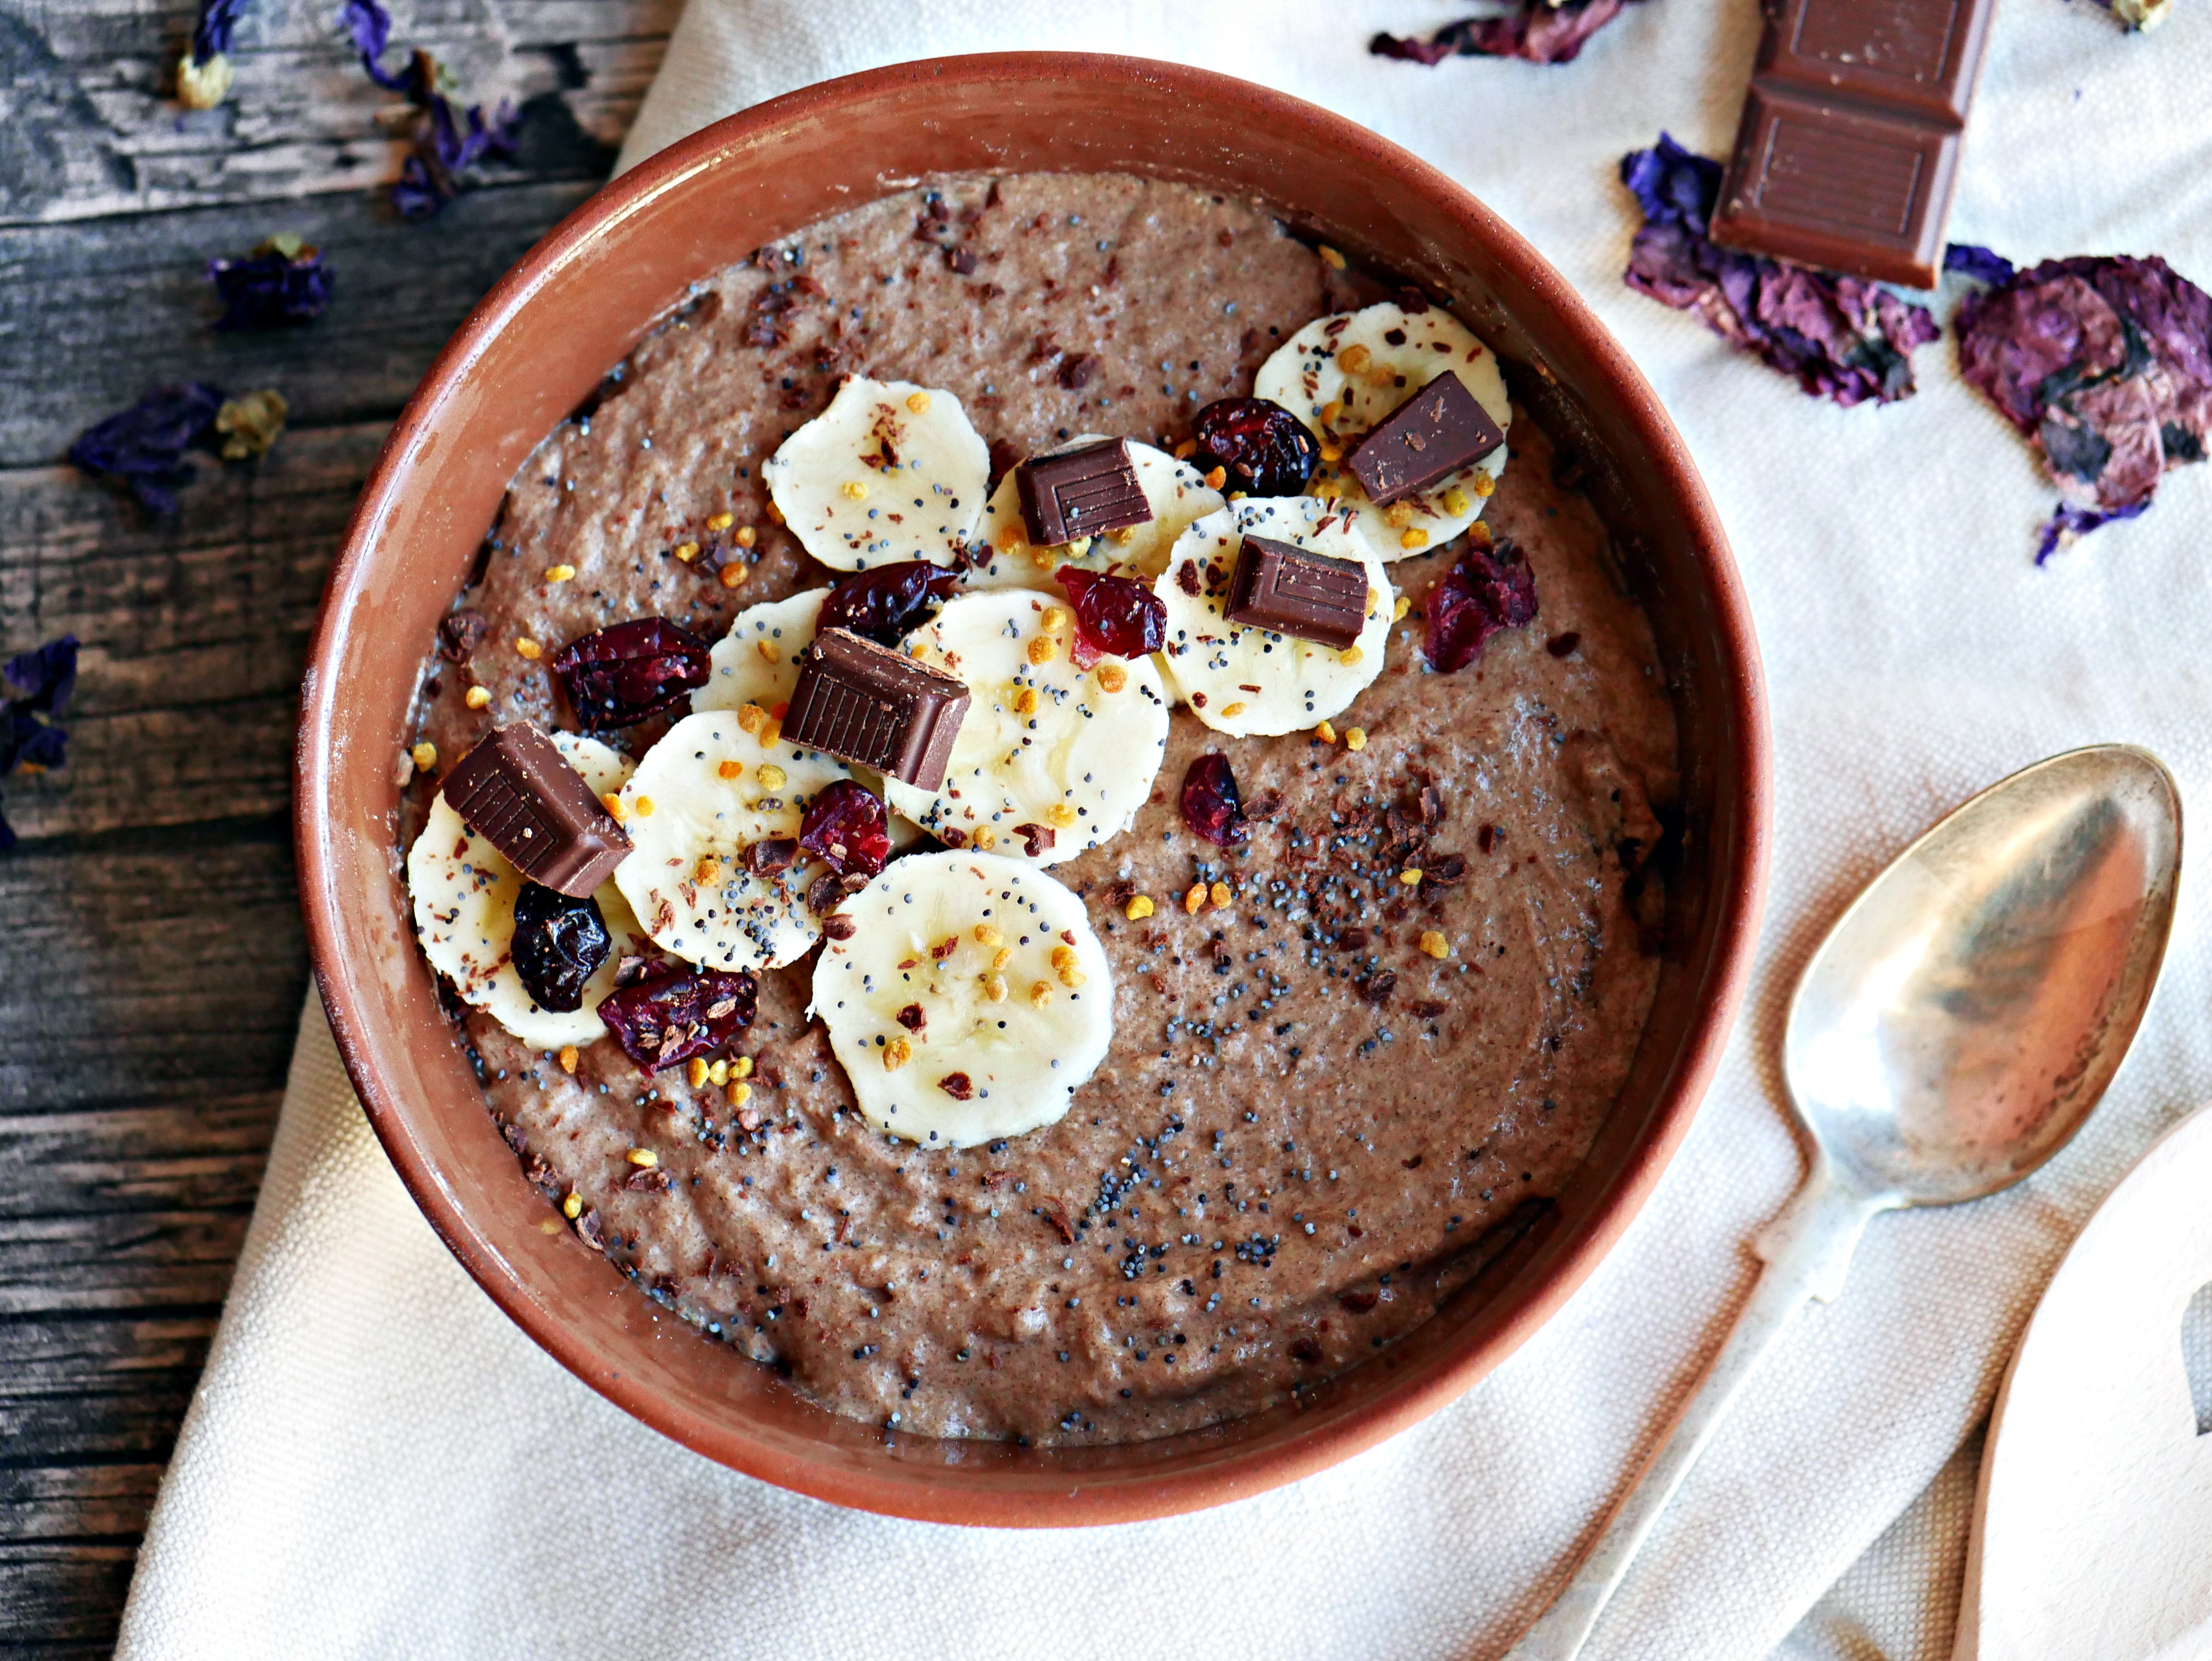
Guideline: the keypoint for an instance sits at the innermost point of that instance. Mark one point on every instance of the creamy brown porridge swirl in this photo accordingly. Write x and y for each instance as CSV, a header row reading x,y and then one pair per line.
x,y
1307,1129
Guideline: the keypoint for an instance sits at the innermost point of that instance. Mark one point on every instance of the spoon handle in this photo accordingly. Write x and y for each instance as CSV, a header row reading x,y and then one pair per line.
x,y
1808,1250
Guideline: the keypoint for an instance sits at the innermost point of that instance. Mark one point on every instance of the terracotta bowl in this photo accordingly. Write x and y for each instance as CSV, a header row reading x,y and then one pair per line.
x,y
571,309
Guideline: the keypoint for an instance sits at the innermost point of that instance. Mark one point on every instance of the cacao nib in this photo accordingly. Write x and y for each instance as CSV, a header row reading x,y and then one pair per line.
x,y
459,634
559,944
846,825
1114,617
665,1020
769,855
958,1085
1488,590
889,603
1036,839
839,926
1075,373
824,892
1212,806
913,1017
1264,450
628,672
589,1232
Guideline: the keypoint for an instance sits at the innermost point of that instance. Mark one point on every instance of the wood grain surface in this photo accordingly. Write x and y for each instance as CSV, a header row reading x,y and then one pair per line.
x,y
151,959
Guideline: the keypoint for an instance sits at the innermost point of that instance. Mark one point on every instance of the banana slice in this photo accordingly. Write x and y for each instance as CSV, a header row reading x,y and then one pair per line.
x,y
1341,375
464,892
757,661
1252,682
970,1001
1049,761
890,471
715,873
1001,555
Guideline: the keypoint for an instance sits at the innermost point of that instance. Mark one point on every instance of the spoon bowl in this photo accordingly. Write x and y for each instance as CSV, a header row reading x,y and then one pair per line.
x,y
1954,1031
1967,1011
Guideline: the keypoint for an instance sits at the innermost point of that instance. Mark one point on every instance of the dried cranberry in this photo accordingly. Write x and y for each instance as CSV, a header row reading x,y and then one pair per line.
x,y
846,825
1114,617
670,1017
1264,448
891,602
620,675
1212,806
1488,590
559,944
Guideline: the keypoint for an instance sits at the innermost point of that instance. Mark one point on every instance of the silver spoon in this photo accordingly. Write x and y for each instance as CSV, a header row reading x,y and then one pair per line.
x,y
1951,1034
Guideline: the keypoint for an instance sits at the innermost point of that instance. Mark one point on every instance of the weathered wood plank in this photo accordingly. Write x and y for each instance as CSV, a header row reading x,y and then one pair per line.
x,y
97,313
195,630
54,1356
92,129
166,965
59,1593
139,1423
161,1156
119,1261
77,1502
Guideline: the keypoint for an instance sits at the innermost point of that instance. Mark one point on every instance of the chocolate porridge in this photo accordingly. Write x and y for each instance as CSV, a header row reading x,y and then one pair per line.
x,y
1351,1053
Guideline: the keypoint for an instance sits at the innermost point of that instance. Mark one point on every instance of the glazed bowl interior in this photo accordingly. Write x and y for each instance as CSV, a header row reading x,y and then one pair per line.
x,y
570,311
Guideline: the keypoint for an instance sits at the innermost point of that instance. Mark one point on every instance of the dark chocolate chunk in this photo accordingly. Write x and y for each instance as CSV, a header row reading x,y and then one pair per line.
x,y
1849,145
1294,591
1440,430
515,790
863,703
1080,493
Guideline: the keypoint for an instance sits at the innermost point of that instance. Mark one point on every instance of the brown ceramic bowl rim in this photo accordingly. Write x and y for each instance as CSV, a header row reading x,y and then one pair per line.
x,y
926,1494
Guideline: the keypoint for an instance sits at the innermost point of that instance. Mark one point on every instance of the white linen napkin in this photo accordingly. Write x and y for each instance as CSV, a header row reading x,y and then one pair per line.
x,y
377,1463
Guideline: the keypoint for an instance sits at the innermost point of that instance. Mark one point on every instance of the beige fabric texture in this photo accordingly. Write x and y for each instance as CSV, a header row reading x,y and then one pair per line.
x,y
377,1463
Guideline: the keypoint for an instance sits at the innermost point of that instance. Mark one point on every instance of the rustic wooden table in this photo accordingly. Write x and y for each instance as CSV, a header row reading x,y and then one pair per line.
x,y
151,958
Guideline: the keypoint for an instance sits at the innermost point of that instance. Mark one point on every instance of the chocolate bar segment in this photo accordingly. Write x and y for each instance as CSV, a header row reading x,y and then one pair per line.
x,y
1293,590
1080,493
1440,430
871,706
1848,151
519,792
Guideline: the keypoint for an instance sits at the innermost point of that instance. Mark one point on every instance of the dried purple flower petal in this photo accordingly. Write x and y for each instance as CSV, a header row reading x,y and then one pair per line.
x,y
144,446
1840,338
2106,364
35,688
283,281
1540,30
1977,261
204,72
370,26
449,140
218,22
2067,525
